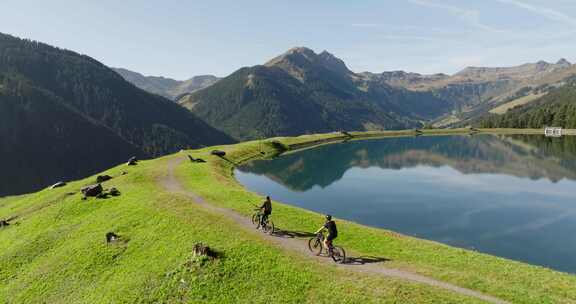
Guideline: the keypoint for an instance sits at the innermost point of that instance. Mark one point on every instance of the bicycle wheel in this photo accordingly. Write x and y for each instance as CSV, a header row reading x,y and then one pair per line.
x,y
315,246
255,219
269,228
339,255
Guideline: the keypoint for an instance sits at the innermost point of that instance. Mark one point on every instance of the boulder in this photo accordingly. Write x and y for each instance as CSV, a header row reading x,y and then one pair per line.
x,y
103,178
92,190
111,237
58,185
203,250
114,192
132,161
218,153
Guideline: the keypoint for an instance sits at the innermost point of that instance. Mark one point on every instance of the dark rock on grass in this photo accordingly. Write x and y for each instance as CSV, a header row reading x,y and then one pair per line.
x,y
111,237
279,147
110,192
103,178
218,153
132,161
58,185
92,190
196,160
98,192
114,192
4,223
346,134
205,251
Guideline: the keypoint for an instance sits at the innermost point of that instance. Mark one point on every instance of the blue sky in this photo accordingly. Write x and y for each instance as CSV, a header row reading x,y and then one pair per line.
x,y
180,39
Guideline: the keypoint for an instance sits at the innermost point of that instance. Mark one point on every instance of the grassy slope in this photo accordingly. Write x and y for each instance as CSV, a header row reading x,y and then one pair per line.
x,y
57,253
501,109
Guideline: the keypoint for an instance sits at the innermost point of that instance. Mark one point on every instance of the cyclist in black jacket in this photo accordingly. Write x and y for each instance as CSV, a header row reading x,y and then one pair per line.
x,y
266,210
330,226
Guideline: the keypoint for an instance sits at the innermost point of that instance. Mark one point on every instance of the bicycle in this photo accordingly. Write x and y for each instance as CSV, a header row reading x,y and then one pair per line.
x,y
268,225
316,244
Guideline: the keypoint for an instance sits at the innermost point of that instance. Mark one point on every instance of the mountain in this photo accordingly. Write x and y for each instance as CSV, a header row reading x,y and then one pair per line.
x,y
302,92
557,108
167,87
64,115
476,91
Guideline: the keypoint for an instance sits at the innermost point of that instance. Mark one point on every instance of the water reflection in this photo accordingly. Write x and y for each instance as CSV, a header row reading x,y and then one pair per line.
x,y
520,155
513,196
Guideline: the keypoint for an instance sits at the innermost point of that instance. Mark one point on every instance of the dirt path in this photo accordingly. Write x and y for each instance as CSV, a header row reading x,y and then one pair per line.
x,y
298,245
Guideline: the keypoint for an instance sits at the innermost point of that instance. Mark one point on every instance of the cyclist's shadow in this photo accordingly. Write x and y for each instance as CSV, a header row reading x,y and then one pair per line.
x,y
365,260
293,234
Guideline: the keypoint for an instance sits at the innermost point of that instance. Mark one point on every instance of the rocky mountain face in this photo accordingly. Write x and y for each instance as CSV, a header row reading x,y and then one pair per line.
x,y
64,115
476,90
169,88
405,79
300,92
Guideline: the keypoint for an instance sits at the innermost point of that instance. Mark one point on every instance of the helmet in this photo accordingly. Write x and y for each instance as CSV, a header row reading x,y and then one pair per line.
x,y
328,217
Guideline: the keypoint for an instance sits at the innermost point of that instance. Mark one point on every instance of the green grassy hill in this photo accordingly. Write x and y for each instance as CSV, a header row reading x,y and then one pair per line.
x,y
54,251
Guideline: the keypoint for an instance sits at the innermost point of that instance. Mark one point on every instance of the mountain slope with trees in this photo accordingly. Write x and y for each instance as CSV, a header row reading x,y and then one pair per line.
x,y
557,108
304,92
64,115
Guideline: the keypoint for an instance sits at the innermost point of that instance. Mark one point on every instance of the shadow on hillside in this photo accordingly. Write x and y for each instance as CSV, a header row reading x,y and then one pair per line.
x,y
226,159
293,234
366,260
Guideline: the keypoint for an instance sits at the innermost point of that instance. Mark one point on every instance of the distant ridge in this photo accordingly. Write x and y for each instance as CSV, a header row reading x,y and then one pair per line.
x,y
167,87
475,91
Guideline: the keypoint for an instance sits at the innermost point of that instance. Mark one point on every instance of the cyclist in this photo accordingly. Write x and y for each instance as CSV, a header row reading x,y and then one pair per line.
x,y
330,226
266,210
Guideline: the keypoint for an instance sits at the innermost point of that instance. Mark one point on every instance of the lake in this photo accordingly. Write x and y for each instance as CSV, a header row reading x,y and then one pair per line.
x,y
510,196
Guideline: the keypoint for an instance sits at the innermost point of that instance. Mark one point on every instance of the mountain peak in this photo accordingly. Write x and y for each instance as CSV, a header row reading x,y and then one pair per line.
x,y
292,55
298,59
301,50
333,63
564,62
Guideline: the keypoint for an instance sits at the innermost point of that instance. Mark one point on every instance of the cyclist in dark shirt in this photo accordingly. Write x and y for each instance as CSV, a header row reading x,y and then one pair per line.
x,y
266,210
330,226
